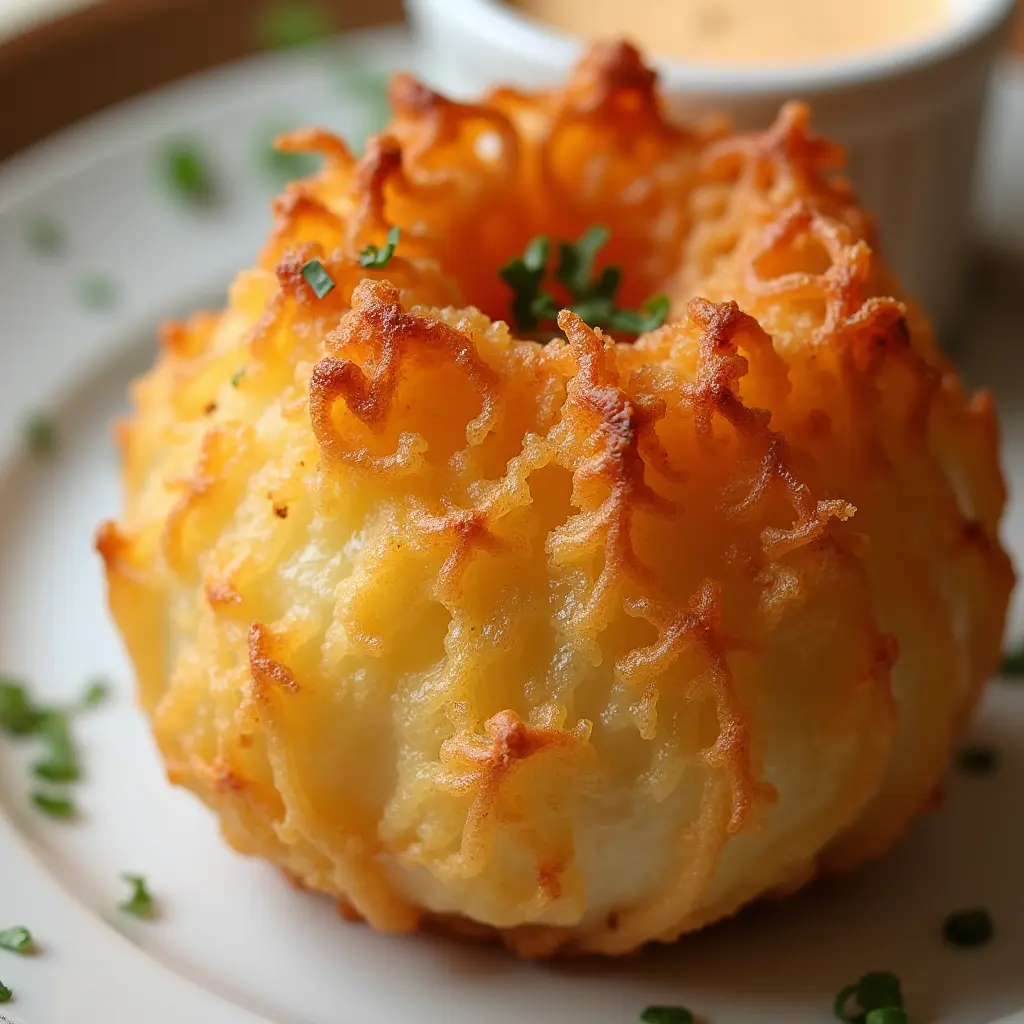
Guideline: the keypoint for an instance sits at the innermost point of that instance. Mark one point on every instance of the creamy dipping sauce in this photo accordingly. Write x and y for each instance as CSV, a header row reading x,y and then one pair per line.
x,y
746,31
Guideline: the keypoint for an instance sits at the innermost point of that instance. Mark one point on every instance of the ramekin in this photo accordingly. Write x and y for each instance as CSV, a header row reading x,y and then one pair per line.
x,y
909,115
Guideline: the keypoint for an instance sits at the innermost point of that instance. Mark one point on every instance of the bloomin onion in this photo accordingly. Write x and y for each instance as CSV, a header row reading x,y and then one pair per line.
x,y
582,643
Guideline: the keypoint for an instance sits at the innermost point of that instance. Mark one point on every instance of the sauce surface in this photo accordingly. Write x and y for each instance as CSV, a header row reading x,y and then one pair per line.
x,y
751,32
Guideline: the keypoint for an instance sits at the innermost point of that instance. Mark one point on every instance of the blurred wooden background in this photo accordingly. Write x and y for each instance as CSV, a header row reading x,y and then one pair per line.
x,y
82,62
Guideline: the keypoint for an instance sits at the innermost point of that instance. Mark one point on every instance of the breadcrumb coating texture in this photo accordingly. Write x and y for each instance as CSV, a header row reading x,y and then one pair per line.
x,y
583,643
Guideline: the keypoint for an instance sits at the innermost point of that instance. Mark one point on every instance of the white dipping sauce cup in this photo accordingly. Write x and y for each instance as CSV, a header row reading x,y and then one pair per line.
x,y
909,115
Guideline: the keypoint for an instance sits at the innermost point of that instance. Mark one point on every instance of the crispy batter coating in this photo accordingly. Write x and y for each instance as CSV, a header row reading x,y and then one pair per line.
x,y
586,643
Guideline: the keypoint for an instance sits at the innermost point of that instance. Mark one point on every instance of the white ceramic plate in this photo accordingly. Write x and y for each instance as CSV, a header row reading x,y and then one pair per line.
x,y
233,943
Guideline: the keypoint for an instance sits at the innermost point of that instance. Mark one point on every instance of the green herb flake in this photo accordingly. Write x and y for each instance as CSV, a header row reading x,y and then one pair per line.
x,y
97,691
376,258
6,995
140,903
61,807
887,1015
44,236
977,760
320,282
666,1015
97,292
187,170
40,435
17,940
236,378
967,929
368,87
56,771
18,715
875,993
61,761
576,262
592,294
1013,664
286,25
285,165
651,315
525,276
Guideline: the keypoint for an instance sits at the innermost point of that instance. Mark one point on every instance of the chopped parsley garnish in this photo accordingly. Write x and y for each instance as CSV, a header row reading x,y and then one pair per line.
x,y
51,726
319,281
285,25
5,993
44,235
97,292
236,378
887,1015
1013,664
97,691
40,435
18,715
870,999
140,903
284,165
977,760
188,171
17,940
666,1015
376,258
61,761
525,276
55,806
368,87
968,928
592,295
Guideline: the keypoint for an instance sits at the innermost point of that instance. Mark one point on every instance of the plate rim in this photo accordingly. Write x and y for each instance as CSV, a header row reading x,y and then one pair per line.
x,y
24,179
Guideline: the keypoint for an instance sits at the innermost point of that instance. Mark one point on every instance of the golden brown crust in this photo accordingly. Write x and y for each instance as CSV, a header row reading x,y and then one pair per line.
x,y
267,672
584,644
395,338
